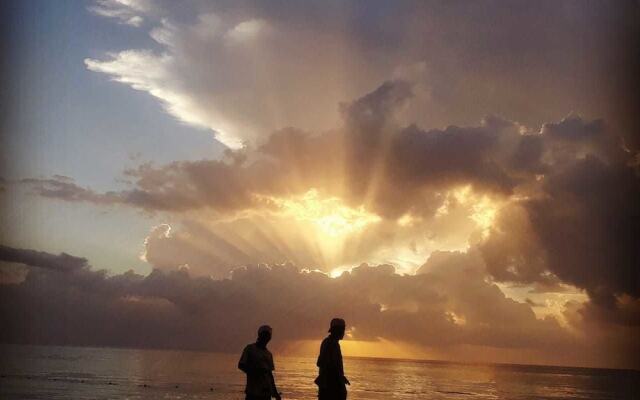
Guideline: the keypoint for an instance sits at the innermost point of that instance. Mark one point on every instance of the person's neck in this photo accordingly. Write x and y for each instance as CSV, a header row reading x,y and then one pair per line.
x,y
261,344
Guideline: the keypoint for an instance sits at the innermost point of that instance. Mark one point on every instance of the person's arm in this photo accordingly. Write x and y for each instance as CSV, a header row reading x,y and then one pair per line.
x,y
243,364
274,390
341,365
271,367
320,361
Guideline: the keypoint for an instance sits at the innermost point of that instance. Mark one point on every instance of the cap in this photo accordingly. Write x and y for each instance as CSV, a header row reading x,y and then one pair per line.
x,y
264,328
337,323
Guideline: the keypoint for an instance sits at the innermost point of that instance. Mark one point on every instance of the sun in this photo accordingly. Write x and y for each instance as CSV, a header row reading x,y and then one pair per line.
x,y
328,215
311,228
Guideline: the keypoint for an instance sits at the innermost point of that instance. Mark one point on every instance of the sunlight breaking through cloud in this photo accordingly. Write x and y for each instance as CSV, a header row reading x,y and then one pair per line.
x,y
329,215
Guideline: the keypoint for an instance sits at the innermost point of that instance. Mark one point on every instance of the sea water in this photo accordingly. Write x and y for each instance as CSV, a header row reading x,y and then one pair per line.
x,y
47,372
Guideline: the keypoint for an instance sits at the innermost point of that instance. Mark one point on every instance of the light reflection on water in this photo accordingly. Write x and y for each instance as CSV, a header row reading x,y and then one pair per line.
x,y
96,373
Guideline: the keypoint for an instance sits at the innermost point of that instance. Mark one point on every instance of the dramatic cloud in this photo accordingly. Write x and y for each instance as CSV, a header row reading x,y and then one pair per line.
x,y
41,259
128,12
447,304
563,199
246,69
371,154
326,200
253,83
581,223
479,140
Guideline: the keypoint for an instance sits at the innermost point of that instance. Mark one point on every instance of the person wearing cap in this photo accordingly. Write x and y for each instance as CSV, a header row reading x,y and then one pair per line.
x,y
257,362
331,380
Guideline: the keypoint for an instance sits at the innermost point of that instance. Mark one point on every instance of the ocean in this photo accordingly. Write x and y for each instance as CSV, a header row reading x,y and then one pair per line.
x,y
48,372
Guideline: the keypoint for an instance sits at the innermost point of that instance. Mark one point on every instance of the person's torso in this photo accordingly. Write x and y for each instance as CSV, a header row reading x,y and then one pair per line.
x,y
330,373
260,361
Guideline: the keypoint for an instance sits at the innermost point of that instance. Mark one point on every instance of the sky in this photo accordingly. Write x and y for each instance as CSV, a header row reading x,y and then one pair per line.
x,y
458,180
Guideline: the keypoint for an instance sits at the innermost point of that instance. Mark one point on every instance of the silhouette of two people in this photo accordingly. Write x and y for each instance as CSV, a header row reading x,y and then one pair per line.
x,y
257,363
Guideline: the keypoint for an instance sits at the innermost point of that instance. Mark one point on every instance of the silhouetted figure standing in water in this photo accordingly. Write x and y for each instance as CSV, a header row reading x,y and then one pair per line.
x,y
331,380
257,362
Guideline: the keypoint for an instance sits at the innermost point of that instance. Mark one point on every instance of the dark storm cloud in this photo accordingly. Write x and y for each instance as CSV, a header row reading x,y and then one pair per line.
x,y
589,226
610,331
64,188
438,307
41,259
177,186
409,160
582,225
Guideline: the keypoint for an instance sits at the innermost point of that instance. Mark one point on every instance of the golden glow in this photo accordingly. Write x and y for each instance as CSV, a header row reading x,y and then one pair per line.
x,y
456,319
164,231
329,215
546,304
382,348
321,226
482,209
484,213
379,348
337,272
406,220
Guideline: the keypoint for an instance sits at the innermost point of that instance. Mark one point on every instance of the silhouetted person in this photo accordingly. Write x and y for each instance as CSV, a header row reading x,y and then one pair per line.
x,y
331,380
257,362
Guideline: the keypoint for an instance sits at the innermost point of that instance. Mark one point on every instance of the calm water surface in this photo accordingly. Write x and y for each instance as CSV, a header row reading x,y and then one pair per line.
x,y
34,372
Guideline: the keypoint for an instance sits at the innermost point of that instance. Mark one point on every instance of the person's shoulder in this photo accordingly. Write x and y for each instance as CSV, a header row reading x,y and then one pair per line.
x,y
328,341
249,347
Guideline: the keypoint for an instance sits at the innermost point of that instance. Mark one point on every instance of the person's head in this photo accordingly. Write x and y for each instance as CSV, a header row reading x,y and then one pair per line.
x,y
337,328
264,334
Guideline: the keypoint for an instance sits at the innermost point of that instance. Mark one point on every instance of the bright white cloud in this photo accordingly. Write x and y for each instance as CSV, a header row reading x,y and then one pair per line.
x,y
127,12
240,77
